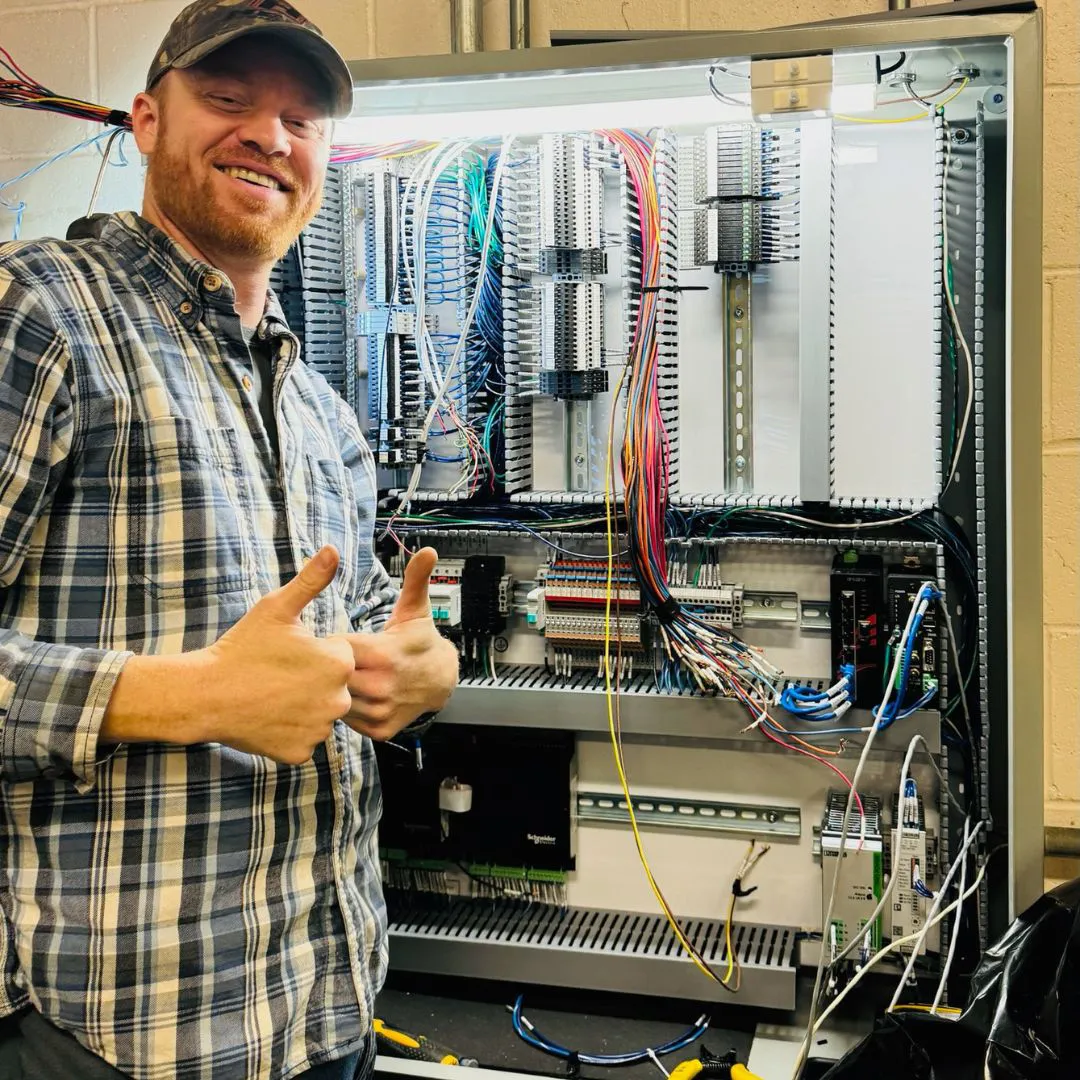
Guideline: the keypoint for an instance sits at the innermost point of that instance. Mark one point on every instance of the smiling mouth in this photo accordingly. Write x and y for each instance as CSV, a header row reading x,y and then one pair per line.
x,y
250,177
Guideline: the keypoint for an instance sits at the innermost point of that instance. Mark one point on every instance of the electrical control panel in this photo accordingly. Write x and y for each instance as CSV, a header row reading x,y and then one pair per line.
x,y
697,398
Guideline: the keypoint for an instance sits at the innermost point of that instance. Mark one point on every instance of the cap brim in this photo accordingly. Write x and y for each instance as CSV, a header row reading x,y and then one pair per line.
x,y
315,47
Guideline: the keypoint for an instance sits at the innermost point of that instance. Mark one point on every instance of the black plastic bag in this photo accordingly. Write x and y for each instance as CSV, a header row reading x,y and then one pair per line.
x,y
1022,1020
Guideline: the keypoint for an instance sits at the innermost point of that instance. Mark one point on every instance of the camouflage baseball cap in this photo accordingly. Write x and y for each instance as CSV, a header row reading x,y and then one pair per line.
x,y
206,25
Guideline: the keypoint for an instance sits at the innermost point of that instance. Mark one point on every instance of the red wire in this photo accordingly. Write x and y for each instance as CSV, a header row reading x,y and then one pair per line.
x,y
828,765
18,70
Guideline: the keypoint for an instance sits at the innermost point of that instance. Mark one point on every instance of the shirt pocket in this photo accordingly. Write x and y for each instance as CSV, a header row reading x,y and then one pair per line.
x,y
188,508
335,520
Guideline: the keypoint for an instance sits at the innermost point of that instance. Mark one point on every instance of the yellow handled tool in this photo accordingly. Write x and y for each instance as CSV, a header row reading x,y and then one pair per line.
x,y
688,1070
398,1043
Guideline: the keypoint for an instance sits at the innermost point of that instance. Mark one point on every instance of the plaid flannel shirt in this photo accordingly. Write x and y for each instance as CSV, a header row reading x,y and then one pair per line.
x,y
194,913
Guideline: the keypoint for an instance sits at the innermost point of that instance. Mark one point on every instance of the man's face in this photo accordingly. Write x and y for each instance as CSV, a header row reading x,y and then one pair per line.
x,y
238,149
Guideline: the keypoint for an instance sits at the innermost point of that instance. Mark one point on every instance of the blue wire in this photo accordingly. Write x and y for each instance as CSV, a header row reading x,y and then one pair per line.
x,y
541,1042
19,208
893,709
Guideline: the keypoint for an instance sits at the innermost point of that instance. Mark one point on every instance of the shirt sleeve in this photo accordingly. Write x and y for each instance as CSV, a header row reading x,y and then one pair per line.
x,y
53,697
378,594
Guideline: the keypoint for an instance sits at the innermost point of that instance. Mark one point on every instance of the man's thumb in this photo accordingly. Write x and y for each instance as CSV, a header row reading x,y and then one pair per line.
x,y
414,602
291,599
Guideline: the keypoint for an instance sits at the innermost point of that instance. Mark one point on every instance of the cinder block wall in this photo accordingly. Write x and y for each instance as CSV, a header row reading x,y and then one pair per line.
x,y
100,50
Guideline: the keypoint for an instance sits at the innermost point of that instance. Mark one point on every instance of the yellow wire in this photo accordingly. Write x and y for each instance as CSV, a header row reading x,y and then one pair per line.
x,y
905,119
942,1010
727,938
610,697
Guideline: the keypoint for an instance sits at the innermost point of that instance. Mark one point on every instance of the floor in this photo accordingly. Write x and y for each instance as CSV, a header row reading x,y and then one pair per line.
x,y
470,1017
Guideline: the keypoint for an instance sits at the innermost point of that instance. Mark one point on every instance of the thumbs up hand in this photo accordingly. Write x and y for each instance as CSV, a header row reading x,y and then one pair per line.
x,y
407,670
281,688
413,601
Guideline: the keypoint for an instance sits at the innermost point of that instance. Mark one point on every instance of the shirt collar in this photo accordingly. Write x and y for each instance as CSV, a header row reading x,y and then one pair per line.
x,y
188,283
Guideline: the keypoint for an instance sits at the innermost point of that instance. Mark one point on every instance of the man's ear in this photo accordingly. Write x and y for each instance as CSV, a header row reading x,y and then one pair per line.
x,y
146,121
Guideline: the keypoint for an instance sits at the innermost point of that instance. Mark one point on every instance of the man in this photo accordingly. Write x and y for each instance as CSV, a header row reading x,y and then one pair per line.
x,y
190,883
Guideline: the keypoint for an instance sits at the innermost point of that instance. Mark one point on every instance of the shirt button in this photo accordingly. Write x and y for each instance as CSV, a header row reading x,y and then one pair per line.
x,y
212,282
186,308
245,382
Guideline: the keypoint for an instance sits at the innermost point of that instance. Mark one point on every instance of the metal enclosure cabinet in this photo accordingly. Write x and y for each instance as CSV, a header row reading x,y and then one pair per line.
x,y
814,276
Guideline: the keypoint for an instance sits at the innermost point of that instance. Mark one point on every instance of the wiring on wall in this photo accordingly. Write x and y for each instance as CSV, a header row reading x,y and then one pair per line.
x,y
21,91
106,137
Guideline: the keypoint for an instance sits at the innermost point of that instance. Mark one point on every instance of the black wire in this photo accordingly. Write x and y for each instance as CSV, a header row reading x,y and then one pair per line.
x,y
298,251
892,67
494,885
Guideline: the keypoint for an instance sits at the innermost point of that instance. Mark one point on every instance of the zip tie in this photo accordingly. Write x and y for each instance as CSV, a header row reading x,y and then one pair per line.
x,y
656,1061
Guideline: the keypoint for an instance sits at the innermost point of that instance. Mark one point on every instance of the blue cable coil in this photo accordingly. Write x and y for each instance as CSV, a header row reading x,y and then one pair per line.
x,y
530,1034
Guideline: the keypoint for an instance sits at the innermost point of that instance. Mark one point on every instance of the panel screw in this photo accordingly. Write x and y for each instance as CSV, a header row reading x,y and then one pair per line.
x,y
739,313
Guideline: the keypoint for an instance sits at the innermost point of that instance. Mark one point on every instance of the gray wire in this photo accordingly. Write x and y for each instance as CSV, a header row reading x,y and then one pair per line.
x,y
101,170
716,93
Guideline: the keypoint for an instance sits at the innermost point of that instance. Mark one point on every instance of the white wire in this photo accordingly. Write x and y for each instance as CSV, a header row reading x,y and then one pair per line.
x,y
833,524
960,859
955,321
893,946
459,348
956,929
849,948
804,1049
421,190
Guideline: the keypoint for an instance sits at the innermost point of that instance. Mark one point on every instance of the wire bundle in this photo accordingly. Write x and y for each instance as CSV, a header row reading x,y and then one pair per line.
x,y
820,705
343,153
439,377
23,92
484,351
528,1031
108,137
891,709
713,660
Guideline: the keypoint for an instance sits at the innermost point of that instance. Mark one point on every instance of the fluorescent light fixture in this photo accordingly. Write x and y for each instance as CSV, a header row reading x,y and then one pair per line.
x,y
580,116
429,122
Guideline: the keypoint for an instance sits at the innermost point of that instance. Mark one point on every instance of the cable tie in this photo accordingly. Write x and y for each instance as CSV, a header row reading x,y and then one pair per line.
x,y
118,118
656,1061
668,611
573,1065
739,892
674,288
